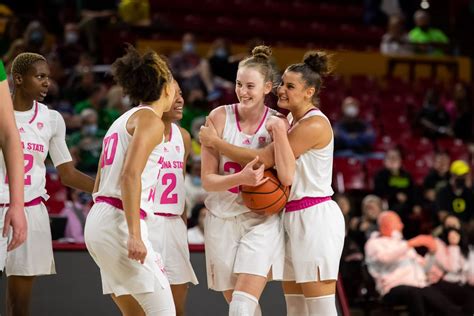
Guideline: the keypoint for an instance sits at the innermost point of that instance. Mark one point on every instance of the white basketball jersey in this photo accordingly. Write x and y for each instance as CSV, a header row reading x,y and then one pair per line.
x,y
170,188
313,173
229,203
114,149
41,131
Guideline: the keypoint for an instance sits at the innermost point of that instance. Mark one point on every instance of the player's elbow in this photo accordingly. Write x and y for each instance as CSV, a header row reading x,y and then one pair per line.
x,y
129,178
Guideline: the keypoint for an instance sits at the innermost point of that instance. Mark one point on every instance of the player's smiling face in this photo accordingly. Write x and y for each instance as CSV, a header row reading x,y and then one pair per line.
x,y
36,81
250,87
176,111
292,91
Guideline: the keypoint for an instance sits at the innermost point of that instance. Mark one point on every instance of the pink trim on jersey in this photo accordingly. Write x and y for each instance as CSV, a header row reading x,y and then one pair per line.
x,y
312,109
166,214
36,113
305,202
117,203
236,112
34,202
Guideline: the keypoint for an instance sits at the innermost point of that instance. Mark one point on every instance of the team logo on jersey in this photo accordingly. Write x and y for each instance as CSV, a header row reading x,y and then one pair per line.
x,y
178,149
165,149
21,130
262,140
39,125
246,141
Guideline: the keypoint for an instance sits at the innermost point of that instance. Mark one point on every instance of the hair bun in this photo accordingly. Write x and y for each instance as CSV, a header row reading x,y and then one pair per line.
x,y
262,51
318,61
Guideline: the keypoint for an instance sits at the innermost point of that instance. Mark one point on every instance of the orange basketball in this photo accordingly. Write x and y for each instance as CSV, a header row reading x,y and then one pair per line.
x,y
268,198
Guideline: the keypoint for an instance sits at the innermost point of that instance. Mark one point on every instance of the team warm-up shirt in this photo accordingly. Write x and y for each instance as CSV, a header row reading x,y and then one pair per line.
x,y
114,150
169,196
41,131
229,203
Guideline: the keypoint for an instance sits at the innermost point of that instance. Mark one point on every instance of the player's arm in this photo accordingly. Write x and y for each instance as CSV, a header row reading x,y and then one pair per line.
x,y
312,132
62,159
97,177
285,161
147,132
187,151
13,154
212,181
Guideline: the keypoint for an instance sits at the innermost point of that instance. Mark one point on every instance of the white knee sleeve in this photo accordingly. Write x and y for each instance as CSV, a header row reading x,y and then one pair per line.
x,y
242,304
158,303
322,305
296,305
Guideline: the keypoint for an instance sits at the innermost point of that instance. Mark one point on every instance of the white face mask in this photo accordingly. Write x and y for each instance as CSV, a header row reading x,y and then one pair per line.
x,y
351,111
397,234
71,37
126,102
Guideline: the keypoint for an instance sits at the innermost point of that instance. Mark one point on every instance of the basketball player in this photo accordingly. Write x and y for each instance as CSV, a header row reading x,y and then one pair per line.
x,y
116,234
42,132
13,153
168,231
242,248
314,224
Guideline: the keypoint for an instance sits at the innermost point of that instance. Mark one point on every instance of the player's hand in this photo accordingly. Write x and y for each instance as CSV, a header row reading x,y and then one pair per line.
x,y
136,249
208,134
253,175
15,217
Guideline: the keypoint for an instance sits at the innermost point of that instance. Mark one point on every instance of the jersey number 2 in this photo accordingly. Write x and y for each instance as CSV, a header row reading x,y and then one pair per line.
x,y
167,197
29,159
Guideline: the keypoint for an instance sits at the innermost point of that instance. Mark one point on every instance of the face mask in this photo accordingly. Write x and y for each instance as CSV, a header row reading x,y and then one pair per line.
x,y
36,37
71,37
189,47
90,130
196,181
397,234
351,111
126,102
221,53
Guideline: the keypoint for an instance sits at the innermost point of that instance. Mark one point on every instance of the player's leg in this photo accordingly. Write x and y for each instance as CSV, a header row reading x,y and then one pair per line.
x,y
128,305
320,297
294,298
246,294
157,303
19,295
180,292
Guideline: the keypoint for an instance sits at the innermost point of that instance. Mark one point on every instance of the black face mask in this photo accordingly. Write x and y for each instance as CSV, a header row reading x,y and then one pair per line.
x,y
460,183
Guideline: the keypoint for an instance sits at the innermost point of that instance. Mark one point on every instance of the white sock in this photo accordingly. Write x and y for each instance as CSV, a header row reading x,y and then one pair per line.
x,y
322,305
242,304
296,305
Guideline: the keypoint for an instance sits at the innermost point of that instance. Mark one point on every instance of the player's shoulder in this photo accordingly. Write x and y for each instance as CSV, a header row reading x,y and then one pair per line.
x,y
52,114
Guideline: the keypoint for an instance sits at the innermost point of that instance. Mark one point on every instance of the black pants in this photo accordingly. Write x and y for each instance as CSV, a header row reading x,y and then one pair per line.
x,y
461,295
422,301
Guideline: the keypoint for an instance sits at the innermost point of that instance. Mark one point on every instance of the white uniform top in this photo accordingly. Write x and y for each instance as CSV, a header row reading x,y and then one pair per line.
x,y
313,172
114,149
170,197
41,131
229,203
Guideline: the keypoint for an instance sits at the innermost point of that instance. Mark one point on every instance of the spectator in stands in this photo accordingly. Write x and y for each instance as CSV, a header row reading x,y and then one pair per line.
x,y
76,209
196,233
117,101
195,194
400,273
457,197
395,185
395,41
461,113
190,72
360,228
344,203
427,39
86,145
433,118
223,65
352,135
72,47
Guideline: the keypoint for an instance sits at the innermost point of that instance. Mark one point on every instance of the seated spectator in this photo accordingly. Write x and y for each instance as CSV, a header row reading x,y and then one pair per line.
x,y
400,273
395,185
457,197
223,65
433,118
427,39
461,113
351,134
438,176
344,203
395,41
72,47
86,145
196,233
76,210
362,227
192,183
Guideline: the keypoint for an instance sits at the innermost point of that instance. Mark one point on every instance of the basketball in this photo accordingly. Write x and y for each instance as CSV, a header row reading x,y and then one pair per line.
x,y
268,198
